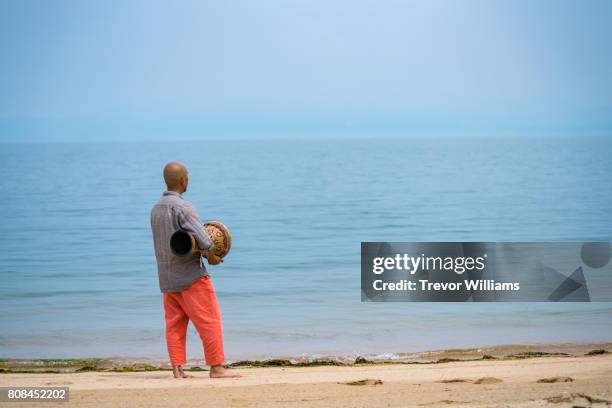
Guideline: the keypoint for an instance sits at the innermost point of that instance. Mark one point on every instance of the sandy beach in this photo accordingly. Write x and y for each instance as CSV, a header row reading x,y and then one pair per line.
x,y
560,381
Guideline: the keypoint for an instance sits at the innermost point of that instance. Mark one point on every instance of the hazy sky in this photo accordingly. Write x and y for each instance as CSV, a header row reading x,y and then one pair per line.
x,y
147,69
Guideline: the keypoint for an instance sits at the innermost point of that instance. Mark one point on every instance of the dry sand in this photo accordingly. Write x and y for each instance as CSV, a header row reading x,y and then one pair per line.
x,y
584,381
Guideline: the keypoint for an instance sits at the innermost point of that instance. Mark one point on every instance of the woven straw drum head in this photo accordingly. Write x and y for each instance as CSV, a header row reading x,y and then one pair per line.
x,y
221,237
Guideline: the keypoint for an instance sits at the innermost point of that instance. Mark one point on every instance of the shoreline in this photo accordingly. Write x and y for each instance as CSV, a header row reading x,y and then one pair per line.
x,y
559,381
135,364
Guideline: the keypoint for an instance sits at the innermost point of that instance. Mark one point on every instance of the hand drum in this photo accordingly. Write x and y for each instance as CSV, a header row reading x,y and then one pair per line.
x,y
183,243
221,237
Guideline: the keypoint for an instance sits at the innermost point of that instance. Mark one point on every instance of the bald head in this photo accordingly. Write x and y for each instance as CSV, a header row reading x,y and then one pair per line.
x,y
176,177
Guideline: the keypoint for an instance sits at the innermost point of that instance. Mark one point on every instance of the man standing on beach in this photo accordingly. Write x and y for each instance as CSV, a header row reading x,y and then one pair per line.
x,y
186,286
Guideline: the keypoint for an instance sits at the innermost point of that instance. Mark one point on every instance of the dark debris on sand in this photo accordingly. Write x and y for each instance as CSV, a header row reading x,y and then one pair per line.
x,y
551,380
571,397
366,381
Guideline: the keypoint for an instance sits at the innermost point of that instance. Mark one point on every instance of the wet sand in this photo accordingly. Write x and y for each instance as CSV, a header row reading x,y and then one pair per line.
x,y
560,381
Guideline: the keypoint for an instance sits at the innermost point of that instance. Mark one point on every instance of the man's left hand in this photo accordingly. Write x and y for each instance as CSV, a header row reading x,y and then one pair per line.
x,y
212,258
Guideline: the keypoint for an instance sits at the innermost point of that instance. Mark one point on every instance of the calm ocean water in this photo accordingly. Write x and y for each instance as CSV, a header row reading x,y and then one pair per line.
x,y
78,275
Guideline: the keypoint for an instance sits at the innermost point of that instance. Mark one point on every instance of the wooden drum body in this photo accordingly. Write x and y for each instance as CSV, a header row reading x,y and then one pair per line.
x,y
183,243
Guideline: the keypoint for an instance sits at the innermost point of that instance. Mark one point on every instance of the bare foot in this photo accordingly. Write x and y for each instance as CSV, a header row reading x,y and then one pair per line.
x,y
179,373
220,372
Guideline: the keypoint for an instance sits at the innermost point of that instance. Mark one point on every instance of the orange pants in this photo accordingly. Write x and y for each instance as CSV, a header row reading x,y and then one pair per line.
x,y
197,303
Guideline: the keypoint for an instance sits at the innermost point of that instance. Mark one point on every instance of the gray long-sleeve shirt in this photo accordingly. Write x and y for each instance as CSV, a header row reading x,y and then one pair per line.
x,y
170,214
